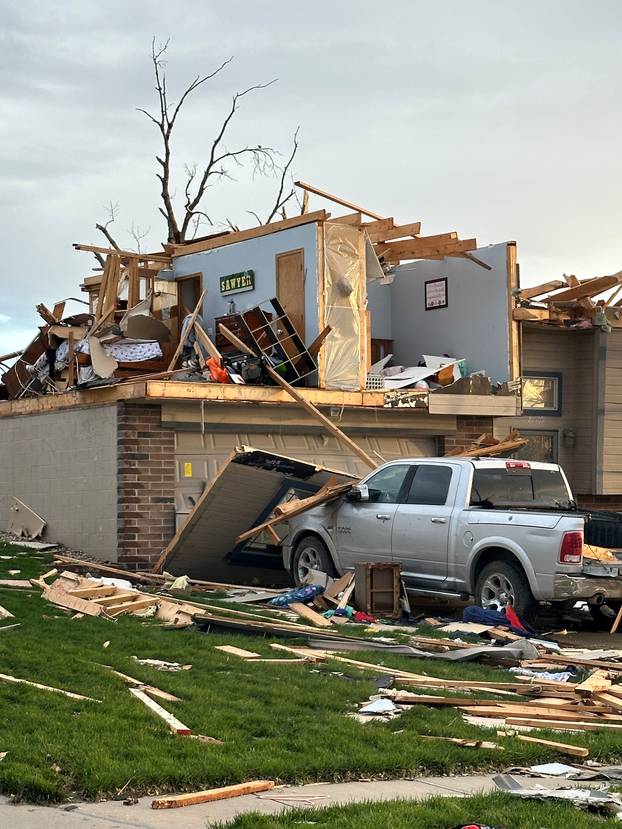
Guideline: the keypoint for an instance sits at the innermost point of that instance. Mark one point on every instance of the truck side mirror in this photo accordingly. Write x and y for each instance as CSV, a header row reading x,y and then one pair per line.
x,y
359,492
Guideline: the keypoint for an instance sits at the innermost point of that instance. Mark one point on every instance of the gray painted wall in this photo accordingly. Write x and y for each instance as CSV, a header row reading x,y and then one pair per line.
x,y
259,255
379,306
64,466
473,326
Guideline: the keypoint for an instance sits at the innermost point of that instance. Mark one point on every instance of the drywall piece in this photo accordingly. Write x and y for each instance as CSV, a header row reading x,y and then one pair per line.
x,y
24,522
103,364
200,547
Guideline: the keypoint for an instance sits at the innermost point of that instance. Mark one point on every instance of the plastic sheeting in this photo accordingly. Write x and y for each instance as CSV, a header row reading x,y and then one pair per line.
x,y
344,274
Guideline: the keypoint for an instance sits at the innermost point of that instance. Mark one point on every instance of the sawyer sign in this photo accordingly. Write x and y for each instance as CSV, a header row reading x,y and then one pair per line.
x,y
235,283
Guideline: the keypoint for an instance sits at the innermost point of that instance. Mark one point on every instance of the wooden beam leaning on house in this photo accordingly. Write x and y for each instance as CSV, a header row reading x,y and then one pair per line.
x,y
296,508
343,202
183,339
309,407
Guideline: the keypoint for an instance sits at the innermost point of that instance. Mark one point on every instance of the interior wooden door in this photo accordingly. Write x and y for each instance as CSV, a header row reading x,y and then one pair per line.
x,y
290,287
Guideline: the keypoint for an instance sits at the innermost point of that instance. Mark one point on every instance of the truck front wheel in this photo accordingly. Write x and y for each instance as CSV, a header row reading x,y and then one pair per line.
x,y
311,554
500,584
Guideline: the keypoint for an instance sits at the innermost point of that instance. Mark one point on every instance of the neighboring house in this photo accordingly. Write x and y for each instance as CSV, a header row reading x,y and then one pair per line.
x,y
114,470
572,393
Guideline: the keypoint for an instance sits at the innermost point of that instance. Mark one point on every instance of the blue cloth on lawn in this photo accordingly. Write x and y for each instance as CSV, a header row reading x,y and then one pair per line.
x,y
493,617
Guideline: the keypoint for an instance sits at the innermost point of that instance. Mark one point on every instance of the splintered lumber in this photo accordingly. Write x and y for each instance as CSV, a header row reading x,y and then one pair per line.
x,y
343,601
15,583
5,614
589,288
237,651
306,405
172,722
562,725
193,798
16,681
563,748
94,592
596,681
148,689
61,598
612,700
336,199
131,607
297,508
507,709
307,613
338,586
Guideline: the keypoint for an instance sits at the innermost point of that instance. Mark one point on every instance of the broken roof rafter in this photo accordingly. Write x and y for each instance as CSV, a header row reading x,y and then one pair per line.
x,y
124,254
571,302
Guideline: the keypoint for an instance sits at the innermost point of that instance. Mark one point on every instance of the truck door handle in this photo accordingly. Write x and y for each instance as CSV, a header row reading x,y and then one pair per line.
x,y
438,520
382,516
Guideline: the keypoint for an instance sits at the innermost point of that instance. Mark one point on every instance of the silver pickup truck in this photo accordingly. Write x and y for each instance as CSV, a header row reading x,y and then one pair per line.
x,y
502,531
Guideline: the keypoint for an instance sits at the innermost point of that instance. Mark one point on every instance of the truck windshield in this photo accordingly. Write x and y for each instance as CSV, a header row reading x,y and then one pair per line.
x,y
520,488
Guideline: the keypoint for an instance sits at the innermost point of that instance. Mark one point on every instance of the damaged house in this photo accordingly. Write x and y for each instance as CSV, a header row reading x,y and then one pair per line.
x,y
240,339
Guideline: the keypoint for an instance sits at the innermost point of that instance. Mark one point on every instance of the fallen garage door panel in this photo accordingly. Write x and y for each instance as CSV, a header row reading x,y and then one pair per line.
x,y
251,482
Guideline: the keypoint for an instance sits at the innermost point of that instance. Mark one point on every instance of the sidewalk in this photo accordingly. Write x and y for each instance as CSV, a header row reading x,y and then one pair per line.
x,y
114,815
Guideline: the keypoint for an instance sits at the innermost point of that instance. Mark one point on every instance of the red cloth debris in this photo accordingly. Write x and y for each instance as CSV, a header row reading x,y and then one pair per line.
x,y
359,616
512,617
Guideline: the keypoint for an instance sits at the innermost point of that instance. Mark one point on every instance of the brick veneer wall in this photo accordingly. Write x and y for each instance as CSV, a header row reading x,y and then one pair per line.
x,y
146,484
468,430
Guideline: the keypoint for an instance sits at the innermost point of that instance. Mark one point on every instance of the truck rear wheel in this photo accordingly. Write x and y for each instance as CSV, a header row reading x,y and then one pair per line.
x,y
501,584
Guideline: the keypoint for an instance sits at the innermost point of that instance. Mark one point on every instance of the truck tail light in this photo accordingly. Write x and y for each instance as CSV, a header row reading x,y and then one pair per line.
x,y
571,551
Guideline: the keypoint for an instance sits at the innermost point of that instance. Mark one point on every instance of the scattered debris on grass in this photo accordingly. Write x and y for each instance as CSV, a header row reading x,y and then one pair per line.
x,y
193,798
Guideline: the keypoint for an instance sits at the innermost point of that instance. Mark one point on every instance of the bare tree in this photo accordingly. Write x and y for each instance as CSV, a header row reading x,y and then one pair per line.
x,y
220,159
184,221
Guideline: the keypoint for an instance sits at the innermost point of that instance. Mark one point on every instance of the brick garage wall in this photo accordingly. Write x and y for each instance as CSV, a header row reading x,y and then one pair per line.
x,y
146,484
468,430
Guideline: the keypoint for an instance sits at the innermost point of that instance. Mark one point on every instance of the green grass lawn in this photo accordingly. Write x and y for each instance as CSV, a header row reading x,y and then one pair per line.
x,y
285,722
496,810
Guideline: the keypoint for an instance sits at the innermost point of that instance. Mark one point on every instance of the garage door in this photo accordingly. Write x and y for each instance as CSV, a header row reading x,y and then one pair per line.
x,y
200,456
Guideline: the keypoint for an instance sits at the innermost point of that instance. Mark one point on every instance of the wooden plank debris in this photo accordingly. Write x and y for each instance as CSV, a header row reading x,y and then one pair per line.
x,y
17,681
172,722
244,654
297,508
563,748
306,405
563,725
596,681
310,615
61,598
209,795
148,689
5,614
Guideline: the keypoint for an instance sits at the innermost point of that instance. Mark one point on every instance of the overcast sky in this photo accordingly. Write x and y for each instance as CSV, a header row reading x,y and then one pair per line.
x,y
501,120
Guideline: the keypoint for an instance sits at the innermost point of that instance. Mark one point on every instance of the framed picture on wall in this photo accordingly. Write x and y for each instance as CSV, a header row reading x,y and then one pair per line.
x,y
435,293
